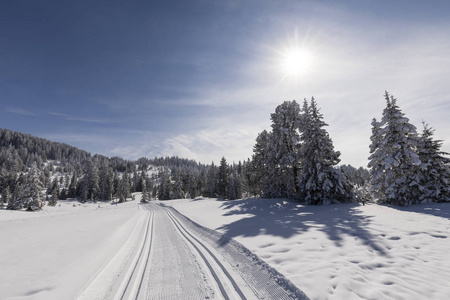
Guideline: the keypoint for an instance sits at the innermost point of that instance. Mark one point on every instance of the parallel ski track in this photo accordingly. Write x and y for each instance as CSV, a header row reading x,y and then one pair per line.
x,y
131,290
263,280
191,238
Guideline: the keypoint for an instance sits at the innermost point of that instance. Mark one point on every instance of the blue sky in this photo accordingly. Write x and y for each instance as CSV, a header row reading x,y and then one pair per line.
x,y
199,78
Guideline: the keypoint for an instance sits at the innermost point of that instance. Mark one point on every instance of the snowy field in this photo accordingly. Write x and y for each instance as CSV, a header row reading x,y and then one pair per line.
x,y
330,252
130,251
54,253
340,251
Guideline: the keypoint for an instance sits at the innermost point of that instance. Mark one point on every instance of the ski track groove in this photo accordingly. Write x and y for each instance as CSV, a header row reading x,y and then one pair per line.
x,y
97,289
263,280
139,262
216,277
175,258
175,272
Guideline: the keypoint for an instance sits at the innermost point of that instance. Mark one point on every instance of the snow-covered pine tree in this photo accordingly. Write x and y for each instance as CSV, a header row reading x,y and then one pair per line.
x,y
319,181
191,187
394,162
90,184
54,186
54,199
13,204
376,167
30,196
263,164
177,188
434,166
125,186
6,194
105,181
234,188
222,178
285,147
145,196
211,181
165,186
73,186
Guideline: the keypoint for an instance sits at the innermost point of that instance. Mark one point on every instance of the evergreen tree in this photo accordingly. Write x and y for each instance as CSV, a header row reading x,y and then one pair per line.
x,y
394,162
145,195
125,191
222,178
63,194
434,167
234,188
286,146
121,191
191,186
177,188
53,186
105,181
320,182
263,165
73,186
211,181
13,204
376,167
30,196
54,199
6,194
165,186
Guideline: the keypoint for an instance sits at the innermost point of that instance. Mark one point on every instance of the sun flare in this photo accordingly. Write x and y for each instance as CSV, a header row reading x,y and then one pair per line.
x,y
296,62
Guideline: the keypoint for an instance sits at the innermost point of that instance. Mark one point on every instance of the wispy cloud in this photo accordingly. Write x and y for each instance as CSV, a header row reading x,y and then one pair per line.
x,y
204,146
80,119
21,111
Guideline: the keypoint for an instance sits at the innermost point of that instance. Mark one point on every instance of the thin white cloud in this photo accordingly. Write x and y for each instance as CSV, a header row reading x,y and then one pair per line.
x,y
21,111
80,119
205,146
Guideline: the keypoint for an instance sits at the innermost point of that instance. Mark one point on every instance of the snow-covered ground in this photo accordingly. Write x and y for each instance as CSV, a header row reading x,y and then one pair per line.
x,y
130,251
340,251
330,252
54,253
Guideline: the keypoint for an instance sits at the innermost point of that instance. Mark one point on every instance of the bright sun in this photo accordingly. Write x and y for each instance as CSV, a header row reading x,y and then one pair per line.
x,y
296,62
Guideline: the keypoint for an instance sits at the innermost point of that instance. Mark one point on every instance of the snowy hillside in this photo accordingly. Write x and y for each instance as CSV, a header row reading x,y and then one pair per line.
x,y
340,251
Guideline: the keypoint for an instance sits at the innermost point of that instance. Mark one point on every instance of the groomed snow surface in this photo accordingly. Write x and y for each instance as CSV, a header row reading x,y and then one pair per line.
x,y
149,251
343,251
329,252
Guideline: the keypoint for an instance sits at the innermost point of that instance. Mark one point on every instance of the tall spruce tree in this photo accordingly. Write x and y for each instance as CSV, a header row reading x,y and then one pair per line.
x,y
165,186
54,198
434,166
222,178
320,181
6,195
285,149
211,181
145,195
394,162
29,196
263,165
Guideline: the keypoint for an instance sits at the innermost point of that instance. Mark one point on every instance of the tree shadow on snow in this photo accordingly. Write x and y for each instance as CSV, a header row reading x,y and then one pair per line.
x,y
284,218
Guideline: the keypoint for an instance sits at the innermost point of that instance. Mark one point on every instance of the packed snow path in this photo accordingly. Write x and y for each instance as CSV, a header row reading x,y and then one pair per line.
x,y
169,257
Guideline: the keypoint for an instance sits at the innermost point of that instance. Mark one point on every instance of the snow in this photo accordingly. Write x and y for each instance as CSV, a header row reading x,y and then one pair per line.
x,y
53,253
342,251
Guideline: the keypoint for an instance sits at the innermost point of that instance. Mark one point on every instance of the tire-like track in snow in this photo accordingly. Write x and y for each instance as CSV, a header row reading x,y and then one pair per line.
x,y
123,276
133,286
167,256
214,266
